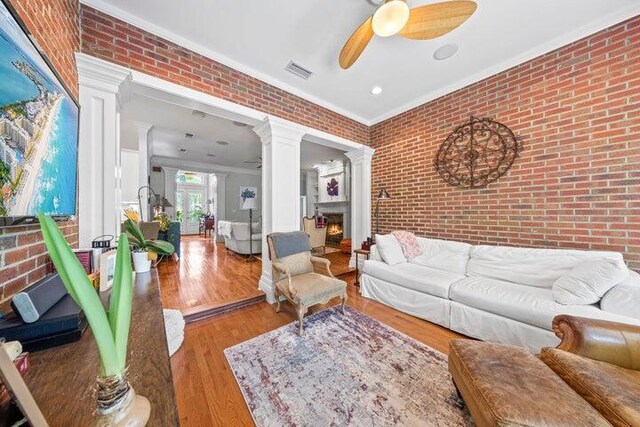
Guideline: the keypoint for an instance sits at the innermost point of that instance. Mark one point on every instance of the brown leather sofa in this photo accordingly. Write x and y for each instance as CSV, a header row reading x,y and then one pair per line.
x,y
592,378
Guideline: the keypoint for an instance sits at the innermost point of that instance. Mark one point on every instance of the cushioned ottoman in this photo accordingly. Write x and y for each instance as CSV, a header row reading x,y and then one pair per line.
x,y
505,385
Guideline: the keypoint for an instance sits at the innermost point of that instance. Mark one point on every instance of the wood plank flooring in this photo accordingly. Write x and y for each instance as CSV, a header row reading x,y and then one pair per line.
x,y
207,275
206,390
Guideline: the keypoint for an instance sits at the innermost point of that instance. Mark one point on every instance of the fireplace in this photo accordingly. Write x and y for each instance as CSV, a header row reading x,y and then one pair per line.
x,y
335,228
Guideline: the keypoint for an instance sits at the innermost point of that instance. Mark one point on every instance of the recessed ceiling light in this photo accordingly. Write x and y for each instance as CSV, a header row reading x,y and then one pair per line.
x,y
222,142
376,90
445,52
183,150
210,155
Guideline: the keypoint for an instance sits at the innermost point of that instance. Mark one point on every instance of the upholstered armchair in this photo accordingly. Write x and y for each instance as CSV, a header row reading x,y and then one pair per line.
x,y
317,236
294,277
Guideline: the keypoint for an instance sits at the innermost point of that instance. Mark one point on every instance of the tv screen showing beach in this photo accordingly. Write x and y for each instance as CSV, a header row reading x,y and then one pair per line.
x,y
38,130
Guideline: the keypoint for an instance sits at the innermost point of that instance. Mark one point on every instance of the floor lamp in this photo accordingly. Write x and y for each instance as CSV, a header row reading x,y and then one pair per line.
x,y
382,195
250,203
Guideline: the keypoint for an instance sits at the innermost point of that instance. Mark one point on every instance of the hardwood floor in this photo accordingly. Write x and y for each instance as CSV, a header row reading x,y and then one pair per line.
x,y
206,276
206,390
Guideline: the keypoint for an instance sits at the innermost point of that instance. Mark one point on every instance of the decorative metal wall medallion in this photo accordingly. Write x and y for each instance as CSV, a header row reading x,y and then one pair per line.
x,y
477,153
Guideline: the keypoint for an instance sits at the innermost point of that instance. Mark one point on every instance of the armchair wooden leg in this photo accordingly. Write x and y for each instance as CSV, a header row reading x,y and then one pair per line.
x,y
344,302
301,312
277,296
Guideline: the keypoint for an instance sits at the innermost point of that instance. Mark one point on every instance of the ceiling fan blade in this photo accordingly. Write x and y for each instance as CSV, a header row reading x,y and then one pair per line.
x,y
356,44
435,20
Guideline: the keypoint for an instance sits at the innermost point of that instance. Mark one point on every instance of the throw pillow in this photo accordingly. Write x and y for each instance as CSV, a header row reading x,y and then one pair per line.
x,y
409,243
390,249
624,298
589,281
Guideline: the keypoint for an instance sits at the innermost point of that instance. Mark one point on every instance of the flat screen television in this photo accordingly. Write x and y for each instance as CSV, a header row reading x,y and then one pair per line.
x,y
39,121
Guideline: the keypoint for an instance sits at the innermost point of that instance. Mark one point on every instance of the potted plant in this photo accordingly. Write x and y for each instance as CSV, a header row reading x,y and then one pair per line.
x,y
165,222
118,404
144,251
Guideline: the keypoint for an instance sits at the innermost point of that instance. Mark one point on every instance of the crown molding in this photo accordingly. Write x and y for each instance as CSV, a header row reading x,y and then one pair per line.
x,y
200,167
542,49
141,23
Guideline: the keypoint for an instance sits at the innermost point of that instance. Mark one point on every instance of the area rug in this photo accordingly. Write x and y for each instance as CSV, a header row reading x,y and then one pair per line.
x,y
345,370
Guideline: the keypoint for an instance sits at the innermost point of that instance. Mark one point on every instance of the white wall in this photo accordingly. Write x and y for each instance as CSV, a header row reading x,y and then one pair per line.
x,y
157,182
232,197
129,159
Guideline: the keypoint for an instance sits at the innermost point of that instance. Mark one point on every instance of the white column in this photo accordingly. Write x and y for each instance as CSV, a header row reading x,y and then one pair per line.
x,y
143,166
280,186
221,206
99,165
360,196
170,189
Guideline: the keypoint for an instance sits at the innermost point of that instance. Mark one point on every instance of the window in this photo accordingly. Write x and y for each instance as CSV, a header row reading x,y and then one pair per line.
x,y
184,177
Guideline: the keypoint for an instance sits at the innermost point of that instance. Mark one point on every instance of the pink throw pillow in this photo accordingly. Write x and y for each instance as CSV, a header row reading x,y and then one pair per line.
x,y
409,243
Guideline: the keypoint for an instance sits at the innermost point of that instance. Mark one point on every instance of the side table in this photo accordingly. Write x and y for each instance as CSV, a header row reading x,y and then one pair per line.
x,y
364,252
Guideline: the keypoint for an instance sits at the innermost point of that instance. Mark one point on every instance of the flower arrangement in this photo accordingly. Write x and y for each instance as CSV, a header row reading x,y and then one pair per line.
x,y
164,221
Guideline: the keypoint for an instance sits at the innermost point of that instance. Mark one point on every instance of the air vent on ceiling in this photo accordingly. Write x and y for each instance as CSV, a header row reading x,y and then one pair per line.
x,y
156,169
199,113
222,142
183,150
188,135
298,70
210,155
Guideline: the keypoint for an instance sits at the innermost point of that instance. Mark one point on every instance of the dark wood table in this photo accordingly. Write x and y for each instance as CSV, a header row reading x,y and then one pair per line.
x,y
62,379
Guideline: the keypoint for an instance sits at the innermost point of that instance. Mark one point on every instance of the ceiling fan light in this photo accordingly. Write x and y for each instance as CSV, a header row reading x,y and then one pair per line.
x,y
390,18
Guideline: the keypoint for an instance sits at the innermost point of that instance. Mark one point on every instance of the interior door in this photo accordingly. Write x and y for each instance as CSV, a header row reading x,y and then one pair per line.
x,y
192,202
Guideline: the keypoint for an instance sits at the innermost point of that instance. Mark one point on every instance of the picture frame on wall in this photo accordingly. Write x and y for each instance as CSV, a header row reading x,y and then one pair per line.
x,y
248,197
107,269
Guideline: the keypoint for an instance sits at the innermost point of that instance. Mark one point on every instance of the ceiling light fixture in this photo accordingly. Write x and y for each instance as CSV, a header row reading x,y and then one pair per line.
x,y
390,18
376,90
445,52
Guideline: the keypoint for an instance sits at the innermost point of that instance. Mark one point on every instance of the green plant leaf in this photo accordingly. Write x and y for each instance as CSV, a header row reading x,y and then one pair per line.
x,y
121,300
78,285
135,232
161,247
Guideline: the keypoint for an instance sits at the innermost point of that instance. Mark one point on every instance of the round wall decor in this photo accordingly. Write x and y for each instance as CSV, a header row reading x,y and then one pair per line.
x,y
477,153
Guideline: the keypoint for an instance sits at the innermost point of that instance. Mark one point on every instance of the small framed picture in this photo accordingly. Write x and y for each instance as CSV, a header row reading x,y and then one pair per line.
x,y
107,270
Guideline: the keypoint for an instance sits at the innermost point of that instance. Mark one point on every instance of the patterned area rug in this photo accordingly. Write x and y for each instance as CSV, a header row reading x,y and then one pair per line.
x,y
346,370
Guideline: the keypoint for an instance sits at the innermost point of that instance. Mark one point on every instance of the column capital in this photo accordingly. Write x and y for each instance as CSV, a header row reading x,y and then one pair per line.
x,y
142,128
363,153
168,169
283,130
101,75
221,176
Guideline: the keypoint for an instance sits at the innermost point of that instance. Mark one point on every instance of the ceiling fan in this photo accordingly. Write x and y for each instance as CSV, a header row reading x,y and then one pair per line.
x,y
258,162
395,17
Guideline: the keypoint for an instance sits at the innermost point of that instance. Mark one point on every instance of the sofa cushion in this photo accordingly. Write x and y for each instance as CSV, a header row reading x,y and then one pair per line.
x,y
528,266
412,276
443,254
390,249
612,390
527,304
624,298
589,280
498,381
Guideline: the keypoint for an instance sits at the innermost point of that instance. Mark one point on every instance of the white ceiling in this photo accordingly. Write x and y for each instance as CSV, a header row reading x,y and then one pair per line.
x,y
171,122
260,37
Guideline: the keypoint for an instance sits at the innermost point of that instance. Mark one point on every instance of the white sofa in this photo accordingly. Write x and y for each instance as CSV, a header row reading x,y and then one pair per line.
x,y
237,236
500,294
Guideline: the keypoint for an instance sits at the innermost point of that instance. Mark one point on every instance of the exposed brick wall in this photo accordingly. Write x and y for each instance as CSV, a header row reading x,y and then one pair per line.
x,y
113,40
54,23
577,182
